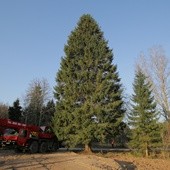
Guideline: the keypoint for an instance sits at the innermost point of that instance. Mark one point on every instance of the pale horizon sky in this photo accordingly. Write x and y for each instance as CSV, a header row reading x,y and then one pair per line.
x,y
33,34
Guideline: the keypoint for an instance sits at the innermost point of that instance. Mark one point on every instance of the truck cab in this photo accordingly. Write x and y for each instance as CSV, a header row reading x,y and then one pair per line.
x,y
9,137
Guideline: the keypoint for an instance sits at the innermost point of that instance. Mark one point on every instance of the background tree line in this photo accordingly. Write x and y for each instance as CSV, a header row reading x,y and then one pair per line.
x,y
38,108
90,104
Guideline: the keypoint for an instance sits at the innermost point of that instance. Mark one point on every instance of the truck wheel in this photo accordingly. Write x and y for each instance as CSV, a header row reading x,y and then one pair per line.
x,y
55,147
43,147
33,147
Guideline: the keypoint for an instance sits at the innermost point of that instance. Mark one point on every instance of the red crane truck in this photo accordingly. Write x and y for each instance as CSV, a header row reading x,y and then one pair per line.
x,y
29,137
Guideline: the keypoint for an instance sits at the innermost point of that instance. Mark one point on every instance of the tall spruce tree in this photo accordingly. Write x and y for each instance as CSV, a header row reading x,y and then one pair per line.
x,y
143,118
15,112
89,95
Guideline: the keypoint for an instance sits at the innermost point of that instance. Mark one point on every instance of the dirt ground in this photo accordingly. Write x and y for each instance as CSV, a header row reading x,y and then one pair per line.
x,y
9,160
130,162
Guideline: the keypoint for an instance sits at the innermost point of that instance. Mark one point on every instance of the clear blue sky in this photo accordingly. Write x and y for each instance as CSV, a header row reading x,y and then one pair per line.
x,y
33,34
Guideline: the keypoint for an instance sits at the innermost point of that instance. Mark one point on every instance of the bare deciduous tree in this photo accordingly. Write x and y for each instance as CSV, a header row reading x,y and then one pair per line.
x,y
156,68
3,111
36,97
166,139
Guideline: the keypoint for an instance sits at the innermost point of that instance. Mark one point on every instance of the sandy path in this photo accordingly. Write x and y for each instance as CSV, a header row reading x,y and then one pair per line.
x,y
55,161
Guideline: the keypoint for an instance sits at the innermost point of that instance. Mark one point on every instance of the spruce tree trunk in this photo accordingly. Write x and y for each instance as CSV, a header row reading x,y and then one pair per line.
x,y
146,150
87,148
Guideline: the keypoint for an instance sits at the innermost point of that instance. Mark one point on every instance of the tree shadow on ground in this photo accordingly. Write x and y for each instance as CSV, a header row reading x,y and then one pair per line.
x,y
32,163
126,165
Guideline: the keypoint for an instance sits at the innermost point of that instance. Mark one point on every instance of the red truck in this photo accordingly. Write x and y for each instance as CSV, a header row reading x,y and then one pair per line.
x,y
28,137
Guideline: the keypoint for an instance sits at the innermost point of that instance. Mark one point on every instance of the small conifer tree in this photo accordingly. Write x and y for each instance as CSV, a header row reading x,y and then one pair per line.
x,y
144,117
15,112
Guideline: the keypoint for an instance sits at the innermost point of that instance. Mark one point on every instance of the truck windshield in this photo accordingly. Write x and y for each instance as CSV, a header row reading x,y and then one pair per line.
x,y
12,132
